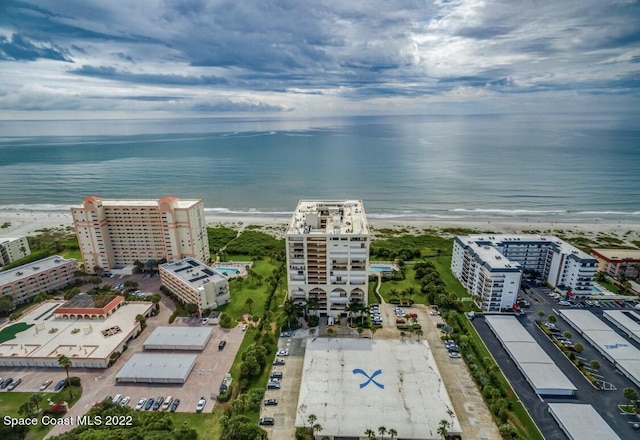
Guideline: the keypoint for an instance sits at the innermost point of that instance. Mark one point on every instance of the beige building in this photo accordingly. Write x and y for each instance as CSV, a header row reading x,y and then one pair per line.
x,y
328,254
196,283
46,275
116,233
616,262
12,249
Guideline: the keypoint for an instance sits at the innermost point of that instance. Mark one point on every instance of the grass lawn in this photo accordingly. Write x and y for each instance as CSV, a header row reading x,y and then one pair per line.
x,y
206,424
609,286
10,332
400,285
11,401
241,290
443,265
72,253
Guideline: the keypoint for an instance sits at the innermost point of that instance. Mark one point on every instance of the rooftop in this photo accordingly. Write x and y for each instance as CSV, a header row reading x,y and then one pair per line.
x,y
360,376
178,337
500,240
493,258
618,254
81,338
27,270
155,367
140,203
346,217
580,421
193,272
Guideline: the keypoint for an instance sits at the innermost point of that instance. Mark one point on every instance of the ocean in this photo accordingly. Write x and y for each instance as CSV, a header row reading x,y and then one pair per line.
x,y
583,167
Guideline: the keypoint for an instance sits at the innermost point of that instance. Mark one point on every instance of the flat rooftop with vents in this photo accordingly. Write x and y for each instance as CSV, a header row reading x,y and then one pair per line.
x,y
157,368
178,338
352,385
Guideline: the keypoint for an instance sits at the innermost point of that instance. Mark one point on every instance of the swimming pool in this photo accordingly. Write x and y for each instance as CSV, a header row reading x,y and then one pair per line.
x,y
227,270
380,268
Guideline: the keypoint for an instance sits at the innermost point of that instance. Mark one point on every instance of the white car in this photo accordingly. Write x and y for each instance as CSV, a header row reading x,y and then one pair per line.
x,y
244,328
454,354
284,352
125,401
201,403
141,403
564,303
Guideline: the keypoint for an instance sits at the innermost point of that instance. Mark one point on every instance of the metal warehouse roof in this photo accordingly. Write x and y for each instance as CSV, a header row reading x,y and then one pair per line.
x,y
178,338
539,369
580,421
157,368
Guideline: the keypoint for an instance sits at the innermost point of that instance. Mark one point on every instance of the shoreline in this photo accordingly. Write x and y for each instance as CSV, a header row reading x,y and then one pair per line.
x,y
28,222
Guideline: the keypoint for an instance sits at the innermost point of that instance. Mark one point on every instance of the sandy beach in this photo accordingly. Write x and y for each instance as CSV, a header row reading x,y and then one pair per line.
x,y
29,222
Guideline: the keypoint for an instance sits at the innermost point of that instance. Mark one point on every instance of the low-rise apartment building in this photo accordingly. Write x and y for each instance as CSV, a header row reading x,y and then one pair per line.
x,y
618,262
47,275
196,283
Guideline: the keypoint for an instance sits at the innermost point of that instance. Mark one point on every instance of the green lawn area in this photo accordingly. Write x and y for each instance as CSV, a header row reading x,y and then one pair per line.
x,y
609,286
206,424
241,290
400,285
443,265
72,253
10,332
11,401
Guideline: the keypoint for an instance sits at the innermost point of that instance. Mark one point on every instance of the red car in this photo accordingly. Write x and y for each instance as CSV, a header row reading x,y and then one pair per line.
x,y
400,321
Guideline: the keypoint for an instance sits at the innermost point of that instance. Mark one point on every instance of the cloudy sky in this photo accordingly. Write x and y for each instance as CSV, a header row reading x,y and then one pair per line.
x,y
309,57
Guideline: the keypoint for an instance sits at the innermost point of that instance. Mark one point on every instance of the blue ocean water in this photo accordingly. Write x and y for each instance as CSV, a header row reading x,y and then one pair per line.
x,y
491,166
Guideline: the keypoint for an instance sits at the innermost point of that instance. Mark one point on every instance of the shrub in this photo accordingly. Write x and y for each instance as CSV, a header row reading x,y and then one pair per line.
x,y
173,317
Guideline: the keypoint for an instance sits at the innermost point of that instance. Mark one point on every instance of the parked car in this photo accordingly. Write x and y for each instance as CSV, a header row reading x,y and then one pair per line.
x,y
244,328
564,303
275,375
270,402
174,405
221,345
140,404
272,385
158,403
454,354
266,421
285,334
400,321
284,352
59,385
14,384
167,403
6,383
278,362
125,401
201,403
149,403
45,385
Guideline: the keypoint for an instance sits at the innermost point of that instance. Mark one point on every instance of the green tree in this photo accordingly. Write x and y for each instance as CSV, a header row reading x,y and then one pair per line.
x,y
370,433
65,363
95,281
541,314
35,400
595,364
243,428
567,334
382,430
142,320
392,433
6,304
249,302
631,394
155,300
579,347
552,319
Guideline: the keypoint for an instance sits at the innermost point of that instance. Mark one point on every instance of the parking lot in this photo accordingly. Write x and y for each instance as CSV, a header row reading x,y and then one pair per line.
x,y
605,402
209,371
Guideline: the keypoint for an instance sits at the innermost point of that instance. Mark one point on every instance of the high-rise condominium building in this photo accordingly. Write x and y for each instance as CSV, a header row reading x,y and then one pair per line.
x,y
328,255
114,233
490,266
12,249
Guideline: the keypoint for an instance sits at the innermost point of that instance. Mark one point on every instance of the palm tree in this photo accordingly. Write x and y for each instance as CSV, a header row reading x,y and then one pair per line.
x,y
595,364
371,435
541,313
552,319
443,428
418,332
248,302
312,304
312,419
393,433
65,363
382,430
393,293
35,400
317,428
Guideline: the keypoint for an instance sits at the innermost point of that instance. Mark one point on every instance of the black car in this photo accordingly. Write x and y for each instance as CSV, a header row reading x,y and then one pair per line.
x,y
174,405
221,345
266,421
14,384
270,402
6,383
158,403
59,385
278,362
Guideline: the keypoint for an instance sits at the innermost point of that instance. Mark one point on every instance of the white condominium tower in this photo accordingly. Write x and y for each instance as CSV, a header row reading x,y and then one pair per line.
x,y
328,254
114,233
